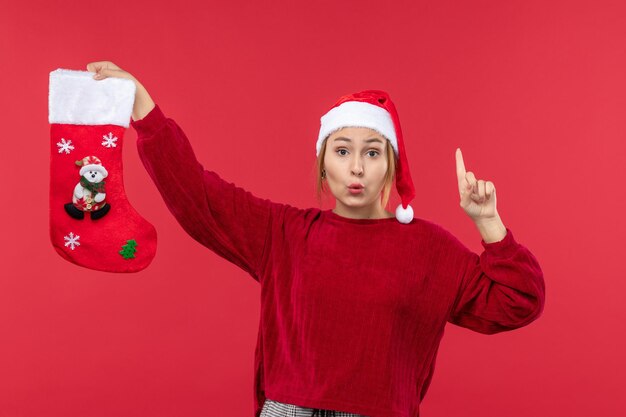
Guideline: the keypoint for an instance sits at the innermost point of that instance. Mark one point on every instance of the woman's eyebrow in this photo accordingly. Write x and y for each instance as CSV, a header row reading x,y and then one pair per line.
x,y
367,140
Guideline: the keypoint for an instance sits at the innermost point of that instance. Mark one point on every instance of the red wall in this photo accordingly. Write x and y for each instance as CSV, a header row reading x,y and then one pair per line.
x,y
532,91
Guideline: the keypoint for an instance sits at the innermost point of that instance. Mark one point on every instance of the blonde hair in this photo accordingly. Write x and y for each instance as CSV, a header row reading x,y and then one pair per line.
x,y
389,176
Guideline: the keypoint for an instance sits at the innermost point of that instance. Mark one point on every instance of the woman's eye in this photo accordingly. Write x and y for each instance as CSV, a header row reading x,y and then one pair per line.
x,y
344,152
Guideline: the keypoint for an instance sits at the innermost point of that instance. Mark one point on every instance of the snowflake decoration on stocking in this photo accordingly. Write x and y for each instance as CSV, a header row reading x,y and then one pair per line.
x,y
72,240
65,146
109,140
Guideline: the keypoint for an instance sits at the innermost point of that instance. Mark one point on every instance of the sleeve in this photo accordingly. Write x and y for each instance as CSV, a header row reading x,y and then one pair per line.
x,y
225,218
501,289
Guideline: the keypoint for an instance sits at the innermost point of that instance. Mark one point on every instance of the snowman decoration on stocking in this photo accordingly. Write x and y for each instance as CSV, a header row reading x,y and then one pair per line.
x,y
89,193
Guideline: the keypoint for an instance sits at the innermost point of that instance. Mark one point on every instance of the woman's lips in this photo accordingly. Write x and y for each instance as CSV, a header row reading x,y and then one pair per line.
x,y
355,190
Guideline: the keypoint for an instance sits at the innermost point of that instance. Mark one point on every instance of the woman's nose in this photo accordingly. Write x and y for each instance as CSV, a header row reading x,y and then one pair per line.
x,y
357,167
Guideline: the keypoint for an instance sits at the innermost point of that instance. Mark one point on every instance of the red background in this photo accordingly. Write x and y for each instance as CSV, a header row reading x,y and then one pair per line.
x,y
532,91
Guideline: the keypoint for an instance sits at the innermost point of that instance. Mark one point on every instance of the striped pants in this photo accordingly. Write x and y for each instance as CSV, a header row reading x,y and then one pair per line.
x,y
277,409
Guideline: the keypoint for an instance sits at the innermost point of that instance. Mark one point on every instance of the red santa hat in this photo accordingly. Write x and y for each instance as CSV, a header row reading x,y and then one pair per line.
x,y
375,110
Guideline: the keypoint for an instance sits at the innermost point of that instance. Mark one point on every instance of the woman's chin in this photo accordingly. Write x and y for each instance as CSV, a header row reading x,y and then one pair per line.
x,y
355,203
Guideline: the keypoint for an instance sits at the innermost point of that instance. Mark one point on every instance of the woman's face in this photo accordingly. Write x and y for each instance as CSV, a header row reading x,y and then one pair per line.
x,y
356,156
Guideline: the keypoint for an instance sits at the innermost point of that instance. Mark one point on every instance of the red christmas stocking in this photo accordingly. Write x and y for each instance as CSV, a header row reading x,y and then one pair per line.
x,y
92,224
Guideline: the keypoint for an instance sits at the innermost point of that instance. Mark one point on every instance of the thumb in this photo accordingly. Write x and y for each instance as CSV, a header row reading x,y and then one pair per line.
x,y
102,73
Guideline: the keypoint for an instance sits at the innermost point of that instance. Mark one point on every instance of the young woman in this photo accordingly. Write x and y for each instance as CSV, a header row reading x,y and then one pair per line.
x,y
355,299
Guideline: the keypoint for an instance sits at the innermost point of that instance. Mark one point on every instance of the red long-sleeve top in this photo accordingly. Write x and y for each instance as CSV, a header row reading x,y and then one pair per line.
x,y
352,310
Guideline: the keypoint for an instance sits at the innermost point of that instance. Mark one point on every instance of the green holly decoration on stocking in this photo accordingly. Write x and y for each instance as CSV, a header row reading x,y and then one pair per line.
x,y
129,249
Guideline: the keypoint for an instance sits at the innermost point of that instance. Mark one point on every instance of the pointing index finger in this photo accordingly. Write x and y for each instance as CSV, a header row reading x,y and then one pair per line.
x,y
460,166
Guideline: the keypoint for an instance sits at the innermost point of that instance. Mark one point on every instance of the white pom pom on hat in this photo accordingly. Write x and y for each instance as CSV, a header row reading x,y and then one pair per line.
x,y
375,110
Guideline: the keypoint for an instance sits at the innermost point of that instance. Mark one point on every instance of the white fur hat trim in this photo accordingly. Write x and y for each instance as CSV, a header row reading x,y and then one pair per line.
x,y
357,114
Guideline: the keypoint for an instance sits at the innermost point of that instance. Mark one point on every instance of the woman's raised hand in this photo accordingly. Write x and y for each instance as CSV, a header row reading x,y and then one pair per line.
x,y
478,197
143,102
104,69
